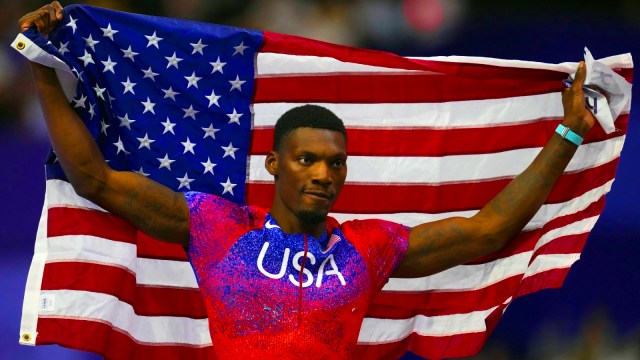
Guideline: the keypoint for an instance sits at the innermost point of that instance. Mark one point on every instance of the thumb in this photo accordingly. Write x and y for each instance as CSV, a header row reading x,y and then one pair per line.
x,y
581,74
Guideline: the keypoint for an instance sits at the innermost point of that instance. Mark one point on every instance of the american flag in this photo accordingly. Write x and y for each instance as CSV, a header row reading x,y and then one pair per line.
x,y
193,106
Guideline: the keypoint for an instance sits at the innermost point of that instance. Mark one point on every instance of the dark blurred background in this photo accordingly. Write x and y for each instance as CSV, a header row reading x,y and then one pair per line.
x,y
594,316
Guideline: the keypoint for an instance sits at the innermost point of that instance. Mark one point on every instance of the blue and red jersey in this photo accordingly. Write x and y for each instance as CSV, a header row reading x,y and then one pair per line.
x,y
266,300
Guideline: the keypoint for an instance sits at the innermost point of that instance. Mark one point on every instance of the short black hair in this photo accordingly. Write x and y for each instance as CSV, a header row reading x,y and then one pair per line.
x,y
309,116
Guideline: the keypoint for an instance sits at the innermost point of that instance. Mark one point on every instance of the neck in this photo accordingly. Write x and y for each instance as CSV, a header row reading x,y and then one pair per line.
x,y
290,223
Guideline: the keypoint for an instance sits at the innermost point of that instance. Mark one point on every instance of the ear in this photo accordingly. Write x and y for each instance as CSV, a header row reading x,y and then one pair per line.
x,y
271,163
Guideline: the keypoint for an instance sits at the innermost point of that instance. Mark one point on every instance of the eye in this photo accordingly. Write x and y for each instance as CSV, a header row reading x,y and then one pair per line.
x,y
304,160
339,163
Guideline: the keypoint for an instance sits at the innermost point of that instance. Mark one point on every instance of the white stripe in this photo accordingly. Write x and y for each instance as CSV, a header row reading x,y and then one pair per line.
x,y
546,262
146,329
456,168
378,331
473,277
444,115
61,193
91,249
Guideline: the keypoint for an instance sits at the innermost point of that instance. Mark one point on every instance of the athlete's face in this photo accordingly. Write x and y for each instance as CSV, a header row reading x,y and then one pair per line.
x,y
309,169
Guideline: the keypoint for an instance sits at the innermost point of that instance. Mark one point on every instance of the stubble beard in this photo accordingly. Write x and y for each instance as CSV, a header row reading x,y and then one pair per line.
x,y
312,216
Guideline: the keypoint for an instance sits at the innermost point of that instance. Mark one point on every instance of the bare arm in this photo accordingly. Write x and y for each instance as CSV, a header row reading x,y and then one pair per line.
x,y
151,207
439,245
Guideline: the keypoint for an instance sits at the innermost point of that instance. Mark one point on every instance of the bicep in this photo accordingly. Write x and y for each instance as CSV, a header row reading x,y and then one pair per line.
x,y
153,208
439,245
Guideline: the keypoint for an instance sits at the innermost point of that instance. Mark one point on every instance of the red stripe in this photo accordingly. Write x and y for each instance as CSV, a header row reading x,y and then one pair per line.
x,y
551,279
118,282
385,88
391,198
103,339
444,142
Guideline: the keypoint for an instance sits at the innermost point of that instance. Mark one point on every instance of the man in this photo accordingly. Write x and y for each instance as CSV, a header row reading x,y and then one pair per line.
x,y
289,280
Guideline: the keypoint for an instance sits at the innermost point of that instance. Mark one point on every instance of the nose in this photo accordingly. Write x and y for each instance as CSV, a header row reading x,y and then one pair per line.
x,y
321,174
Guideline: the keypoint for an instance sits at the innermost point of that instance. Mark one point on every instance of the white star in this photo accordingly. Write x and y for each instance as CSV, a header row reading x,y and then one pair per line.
x,y
168,126
208,166
198,47
149,74
108,65
63,48
128,86
237,83
165,162
108,32
213,98
188,146
169,93
72,24
185,181
153,40
173,60
229,151
120,146
104,126
99,91
90,42
145,142
78,74
86,58
228,187
79,103
193,80
190,112
210,131
234,117
129,53
141,172
125,121
240,49
148,106
91,111
217,66
111,98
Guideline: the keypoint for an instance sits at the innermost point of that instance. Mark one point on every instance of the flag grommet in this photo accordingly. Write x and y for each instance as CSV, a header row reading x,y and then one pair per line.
x,y
20,45
26,337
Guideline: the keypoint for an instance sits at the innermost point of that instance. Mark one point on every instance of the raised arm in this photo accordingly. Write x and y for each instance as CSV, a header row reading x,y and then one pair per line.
x,y
439,245
153,208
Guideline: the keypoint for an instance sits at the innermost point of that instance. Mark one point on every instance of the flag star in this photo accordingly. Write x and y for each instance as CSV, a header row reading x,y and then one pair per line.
x,y
72,23
185,181
63,48
168,126
90,42
141,172
77,73
237,83
104,127
145,142
240,49
173,60
108,65
169,93
79,103
99,91
217,66
128,86
149,74
125,121
153,40
129,53
188,146
91,111
148,106
234,117
198,47
86,58
165,162
213,98
228,187
210,131
193,80
120,146
108,32
208,166
111,98
229,151
190,112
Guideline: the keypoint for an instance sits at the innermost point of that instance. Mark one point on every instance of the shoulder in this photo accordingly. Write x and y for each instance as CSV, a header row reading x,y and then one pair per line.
x,y
214,209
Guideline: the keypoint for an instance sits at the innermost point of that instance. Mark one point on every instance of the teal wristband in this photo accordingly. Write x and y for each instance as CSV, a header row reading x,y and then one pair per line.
x,y
566,133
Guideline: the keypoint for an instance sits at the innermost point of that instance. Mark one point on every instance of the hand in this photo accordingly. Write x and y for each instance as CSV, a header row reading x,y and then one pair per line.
x,y
45,19
576,115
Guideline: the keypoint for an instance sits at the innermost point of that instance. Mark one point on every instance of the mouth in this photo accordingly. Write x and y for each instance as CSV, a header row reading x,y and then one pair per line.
x,y
318,195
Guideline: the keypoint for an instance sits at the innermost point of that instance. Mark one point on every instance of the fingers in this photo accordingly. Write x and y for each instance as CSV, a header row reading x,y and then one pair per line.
x,y
581,74
44,19
58,9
